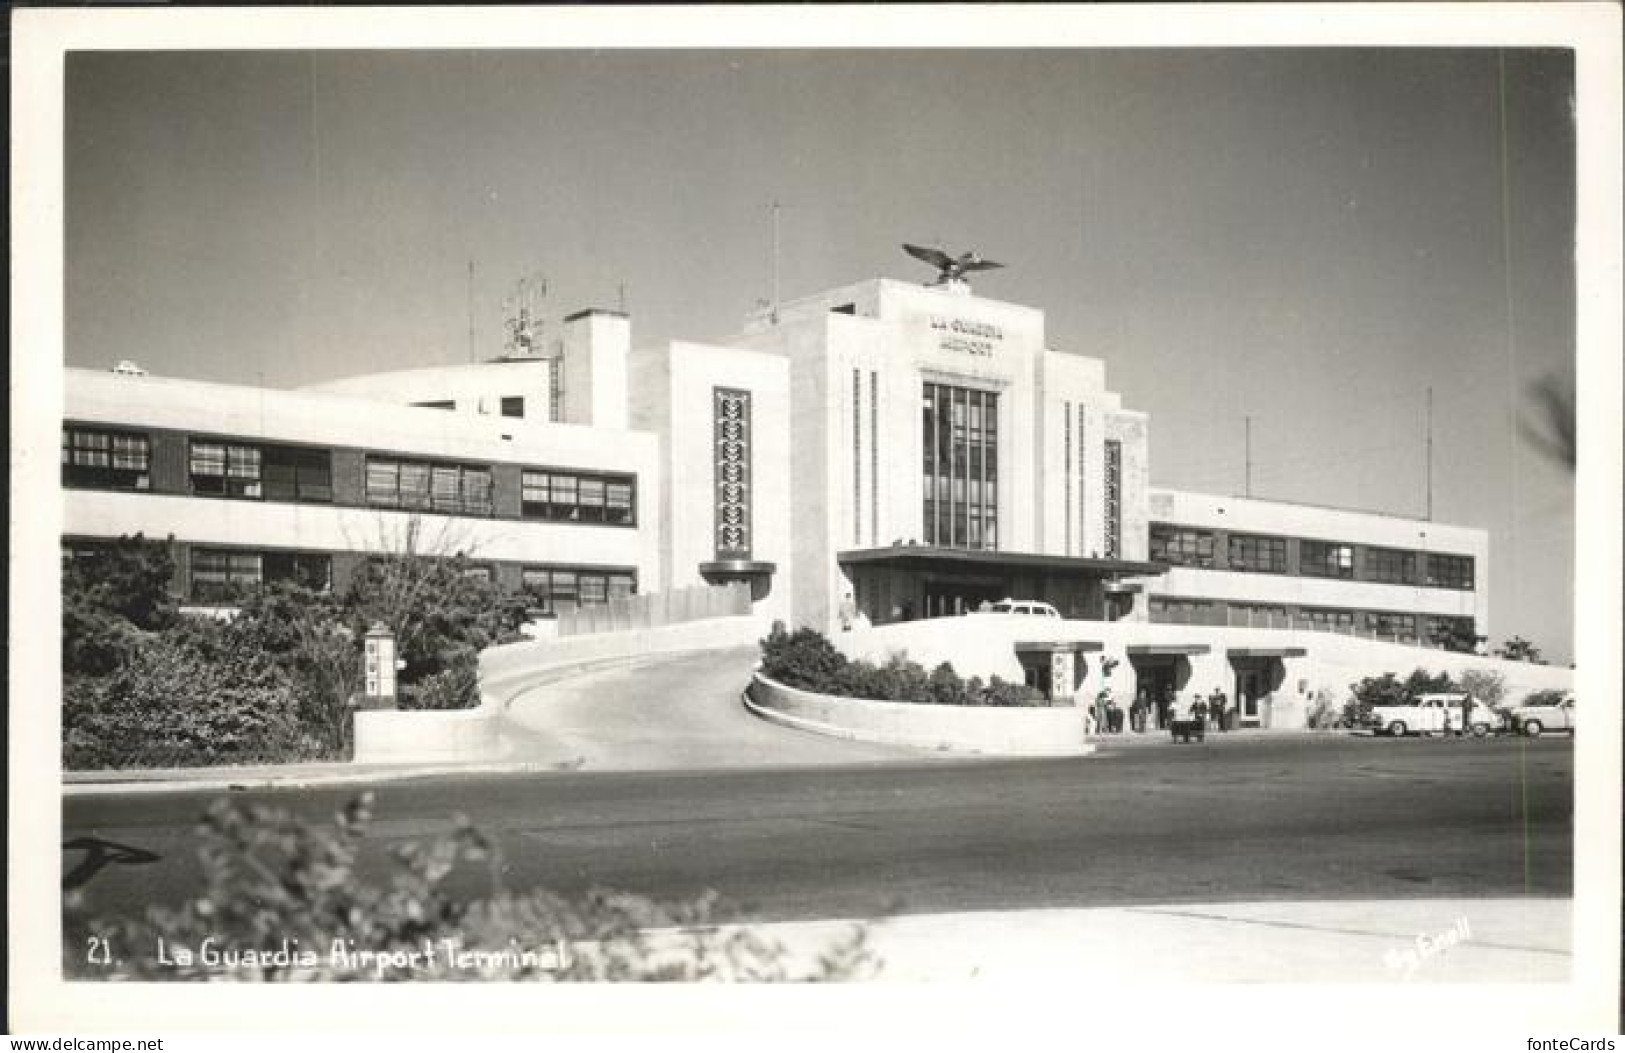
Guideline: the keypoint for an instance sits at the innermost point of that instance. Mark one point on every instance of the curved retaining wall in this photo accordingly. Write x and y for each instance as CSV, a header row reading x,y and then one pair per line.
x,y
396,736
1021,732
413,736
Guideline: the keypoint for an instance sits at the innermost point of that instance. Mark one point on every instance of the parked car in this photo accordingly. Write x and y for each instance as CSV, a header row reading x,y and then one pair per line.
x,y
1030,608
1433,713
1535,721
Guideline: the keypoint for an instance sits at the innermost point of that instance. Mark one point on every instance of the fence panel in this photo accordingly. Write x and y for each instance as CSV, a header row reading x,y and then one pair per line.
x,y
654,609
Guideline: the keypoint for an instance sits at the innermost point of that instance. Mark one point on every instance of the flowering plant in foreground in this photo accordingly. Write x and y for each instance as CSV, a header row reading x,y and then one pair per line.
x,y
283,900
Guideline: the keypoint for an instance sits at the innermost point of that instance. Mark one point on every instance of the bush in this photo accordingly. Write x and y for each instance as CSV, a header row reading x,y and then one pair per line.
x,y
1489,688
456,687
203,693
805,659
112,595
1548,696
270,878
1389,690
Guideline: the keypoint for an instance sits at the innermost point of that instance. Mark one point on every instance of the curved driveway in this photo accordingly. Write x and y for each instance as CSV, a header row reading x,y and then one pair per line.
x,y
673,711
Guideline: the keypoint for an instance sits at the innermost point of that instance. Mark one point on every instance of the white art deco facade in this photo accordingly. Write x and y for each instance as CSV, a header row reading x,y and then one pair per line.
x,y
910,451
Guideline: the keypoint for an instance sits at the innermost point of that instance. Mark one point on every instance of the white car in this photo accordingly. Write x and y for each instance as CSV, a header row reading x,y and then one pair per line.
x,y
1436,713
1029,608
1536,720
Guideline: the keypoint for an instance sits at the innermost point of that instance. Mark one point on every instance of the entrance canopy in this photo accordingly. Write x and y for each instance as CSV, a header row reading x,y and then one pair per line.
x,y
1267,652
1138,650
933,557
900,582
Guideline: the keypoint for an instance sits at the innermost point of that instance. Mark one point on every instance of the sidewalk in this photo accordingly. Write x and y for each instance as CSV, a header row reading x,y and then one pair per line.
x,y
1423,941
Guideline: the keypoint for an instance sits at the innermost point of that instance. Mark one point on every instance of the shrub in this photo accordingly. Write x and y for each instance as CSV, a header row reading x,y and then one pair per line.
x,y
1548,696
270,878
1488,687
803,659
1389,690
1008,693
203,693
455,687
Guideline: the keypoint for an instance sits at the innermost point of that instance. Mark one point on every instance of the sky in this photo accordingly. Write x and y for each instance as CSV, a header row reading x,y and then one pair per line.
x,y
1309,239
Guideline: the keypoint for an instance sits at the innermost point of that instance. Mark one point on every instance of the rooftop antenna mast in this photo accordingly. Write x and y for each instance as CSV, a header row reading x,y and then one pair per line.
x,y
471,310
1429,515
1248,481
522,316
773,315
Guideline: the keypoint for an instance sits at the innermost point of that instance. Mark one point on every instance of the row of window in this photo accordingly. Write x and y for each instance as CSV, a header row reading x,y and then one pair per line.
x,y
1262,554
1394,624
103,459
222,575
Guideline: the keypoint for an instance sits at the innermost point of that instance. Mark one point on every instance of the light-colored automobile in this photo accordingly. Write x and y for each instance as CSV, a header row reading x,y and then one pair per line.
x,y
1535,721
1434,714
1028,608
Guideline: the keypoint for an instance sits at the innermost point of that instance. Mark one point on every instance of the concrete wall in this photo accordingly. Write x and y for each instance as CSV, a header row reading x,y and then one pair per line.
x,y
454,736
692,373
473,388
1038,731
980,645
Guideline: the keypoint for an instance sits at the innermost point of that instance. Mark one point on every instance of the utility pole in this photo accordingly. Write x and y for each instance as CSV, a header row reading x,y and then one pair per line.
x,y
471,310
1429,515
774,313
1249,455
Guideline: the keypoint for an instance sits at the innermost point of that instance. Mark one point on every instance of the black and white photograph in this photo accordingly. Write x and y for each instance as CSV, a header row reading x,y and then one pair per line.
x,y
1115,506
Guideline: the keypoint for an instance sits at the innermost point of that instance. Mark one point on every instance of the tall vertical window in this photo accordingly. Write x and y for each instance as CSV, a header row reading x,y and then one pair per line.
x,y
1326,559
730,411
874,457
1114,498
857,457
106,460
961,443
1066,471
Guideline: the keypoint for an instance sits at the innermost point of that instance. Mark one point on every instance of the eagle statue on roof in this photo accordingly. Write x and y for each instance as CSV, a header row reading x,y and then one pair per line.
x,y
950,268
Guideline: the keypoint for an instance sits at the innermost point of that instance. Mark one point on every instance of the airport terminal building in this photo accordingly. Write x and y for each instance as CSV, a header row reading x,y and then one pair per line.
x,y
897,451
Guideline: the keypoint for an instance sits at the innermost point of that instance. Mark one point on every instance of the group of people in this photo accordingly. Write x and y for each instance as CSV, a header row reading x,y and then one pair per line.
x,y
1106,715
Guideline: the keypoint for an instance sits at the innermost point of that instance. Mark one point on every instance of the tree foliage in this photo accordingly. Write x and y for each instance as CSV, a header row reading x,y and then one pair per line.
x,y
271,879
806,659
1389,690
1517,649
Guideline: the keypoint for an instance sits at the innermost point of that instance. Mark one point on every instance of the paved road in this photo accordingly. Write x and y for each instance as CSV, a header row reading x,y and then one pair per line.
x,y
666,712
1237,820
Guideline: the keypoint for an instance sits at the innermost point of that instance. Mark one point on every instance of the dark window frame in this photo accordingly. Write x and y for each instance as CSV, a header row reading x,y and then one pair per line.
x,y
416,484
1256,553
1389,566
98,458
1319,559
560,495
1449,571
549,584
1181,546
